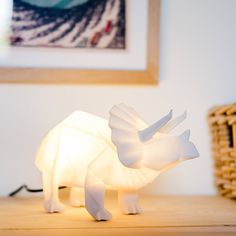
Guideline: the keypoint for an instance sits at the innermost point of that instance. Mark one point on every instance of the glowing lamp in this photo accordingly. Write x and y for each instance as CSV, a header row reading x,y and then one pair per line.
x,y
89,154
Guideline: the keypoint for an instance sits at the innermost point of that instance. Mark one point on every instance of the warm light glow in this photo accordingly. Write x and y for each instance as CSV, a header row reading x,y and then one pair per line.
x,y
124,153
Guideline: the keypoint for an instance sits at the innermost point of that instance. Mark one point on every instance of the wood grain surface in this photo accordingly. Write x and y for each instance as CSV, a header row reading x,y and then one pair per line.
x,y
162,215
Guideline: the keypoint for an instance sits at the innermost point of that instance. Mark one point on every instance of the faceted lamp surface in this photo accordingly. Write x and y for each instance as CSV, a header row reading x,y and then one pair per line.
x,y
90,154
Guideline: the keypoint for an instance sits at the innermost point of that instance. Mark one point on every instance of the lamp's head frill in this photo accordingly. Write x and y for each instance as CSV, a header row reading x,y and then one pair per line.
x,y
139,145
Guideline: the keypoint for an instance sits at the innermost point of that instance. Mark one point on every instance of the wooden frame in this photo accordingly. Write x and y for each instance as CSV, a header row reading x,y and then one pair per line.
x,y
114,77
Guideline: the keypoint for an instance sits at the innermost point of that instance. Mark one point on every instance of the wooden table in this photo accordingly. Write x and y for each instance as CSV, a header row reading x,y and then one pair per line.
x,y
163,215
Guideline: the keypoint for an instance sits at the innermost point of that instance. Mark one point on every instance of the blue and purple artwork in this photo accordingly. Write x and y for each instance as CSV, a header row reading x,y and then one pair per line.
x,y
69,23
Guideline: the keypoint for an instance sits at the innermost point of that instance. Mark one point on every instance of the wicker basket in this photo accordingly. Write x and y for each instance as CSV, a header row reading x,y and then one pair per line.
x,y
222,123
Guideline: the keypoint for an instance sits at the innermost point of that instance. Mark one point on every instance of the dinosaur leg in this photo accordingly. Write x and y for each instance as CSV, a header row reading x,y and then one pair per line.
x,y
46,186
77,197
128,202
51,199
94,186
94,198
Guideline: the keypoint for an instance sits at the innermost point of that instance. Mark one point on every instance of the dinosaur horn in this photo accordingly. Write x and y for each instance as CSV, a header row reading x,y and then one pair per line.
x,y
147,133
172,124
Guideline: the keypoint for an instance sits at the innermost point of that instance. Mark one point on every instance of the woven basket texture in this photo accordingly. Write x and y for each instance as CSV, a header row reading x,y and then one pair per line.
x,y
222,124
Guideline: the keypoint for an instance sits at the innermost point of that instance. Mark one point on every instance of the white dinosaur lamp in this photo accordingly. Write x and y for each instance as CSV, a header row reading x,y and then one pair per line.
x,y
84,153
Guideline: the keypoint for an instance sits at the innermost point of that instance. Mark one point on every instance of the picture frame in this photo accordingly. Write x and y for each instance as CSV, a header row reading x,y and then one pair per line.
x,y
148,76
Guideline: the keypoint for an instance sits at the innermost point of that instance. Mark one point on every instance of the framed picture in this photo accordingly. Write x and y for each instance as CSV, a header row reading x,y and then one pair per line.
x,y
84,42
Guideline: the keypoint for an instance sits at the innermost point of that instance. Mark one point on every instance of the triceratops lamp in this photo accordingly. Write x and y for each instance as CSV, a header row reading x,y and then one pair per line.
x,y
84,153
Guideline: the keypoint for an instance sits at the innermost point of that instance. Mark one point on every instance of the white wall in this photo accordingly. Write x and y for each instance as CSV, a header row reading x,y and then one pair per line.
x,y
198,70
